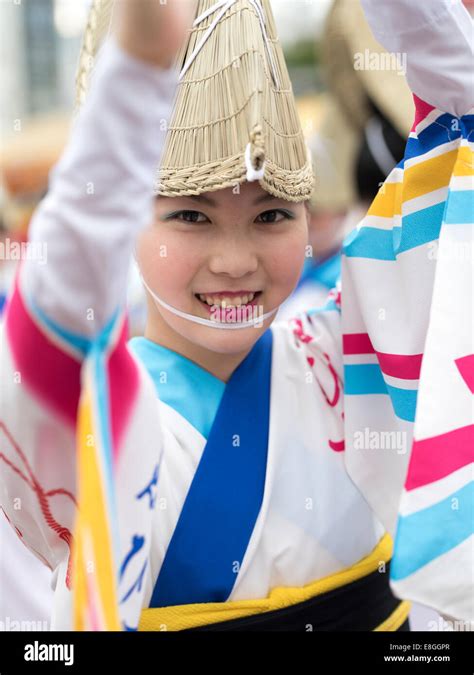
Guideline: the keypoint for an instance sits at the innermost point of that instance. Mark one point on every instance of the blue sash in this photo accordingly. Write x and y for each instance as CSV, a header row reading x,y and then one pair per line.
x,y
218,517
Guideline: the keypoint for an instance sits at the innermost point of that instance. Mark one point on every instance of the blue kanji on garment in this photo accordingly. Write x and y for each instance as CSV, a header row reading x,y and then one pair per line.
x,y
224,500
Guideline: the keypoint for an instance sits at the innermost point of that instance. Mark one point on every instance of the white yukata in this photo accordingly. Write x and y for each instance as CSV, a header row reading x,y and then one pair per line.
x,y
328,433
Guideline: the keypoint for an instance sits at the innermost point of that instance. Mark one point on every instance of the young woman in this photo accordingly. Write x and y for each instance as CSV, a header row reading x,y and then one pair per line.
x,y
226,472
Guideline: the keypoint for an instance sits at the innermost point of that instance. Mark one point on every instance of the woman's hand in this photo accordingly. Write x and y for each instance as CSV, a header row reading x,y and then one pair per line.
x,y
152,30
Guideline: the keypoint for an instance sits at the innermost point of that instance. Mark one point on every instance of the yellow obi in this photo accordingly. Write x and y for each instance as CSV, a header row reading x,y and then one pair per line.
x,y
183,617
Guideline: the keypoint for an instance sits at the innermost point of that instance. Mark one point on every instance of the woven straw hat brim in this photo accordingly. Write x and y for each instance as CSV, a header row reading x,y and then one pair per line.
x,y
235,97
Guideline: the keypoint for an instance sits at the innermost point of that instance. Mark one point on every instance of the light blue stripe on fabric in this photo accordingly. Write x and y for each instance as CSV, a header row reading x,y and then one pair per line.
x,y
404,402
330,306
368,379
370,242
180,383
80,343
460,208
427,534
95,349
421,227
418,228
364,379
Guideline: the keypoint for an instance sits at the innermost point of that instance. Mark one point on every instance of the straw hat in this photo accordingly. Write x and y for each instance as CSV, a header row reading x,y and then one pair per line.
x,y
234,116
346,36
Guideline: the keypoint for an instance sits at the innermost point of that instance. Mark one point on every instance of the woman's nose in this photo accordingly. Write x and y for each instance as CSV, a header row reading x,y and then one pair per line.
x,y
235,257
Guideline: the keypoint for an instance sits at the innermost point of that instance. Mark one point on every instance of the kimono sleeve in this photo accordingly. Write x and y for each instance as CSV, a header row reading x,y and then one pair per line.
x,y
406,327
80,441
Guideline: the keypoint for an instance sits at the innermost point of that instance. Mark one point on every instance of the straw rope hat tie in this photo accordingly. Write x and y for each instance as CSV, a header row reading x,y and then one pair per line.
x,y
234,117
255,155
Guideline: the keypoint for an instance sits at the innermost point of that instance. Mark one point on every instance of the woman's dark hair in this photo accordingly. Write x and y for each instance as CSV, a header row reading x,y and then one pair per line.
x,y
380,150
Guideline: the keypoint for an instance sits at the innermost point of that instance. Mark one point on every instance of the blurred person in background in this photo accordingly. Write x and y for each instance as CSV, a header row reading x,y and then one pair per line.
x,y
366,119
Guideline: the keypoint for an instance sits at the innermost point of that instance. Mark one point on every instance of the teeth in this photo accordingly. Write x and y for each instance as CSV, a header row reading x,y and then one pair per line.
x,y
224,302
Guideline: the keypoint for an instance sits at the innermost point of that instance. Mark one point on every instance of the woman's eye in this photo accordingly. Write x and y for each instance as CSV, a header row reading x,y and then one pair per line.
x,y
273,216
190,216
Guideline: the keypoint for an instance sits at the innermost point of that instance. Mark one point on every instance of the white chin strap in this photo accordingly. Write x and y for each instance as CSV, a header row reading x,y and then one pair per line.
x,y
256,322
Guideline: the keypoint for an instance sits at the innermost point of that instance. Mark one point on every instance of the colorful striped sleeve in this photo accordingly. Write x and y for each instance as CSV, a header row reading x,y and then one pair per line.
x,y
407,321
67,403
80,443
399,338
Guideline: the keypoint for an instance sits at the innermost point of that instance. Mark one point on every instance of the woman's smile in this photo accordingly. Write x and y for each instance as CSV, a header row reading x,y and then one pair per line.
x,y
233,306
229,298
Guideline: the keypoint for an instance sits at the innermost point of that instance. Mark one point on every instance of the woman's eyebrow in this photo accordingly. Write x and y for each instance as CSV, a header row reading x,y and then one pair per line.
x,y
265,198
196,198
207,200
211,202
202,198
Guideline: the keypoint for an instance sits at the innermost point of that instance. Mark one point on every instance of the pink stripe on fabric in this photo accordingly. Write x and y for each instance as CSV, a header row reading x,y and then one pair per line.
x,y
337,446
357,343
123,380
465,366
439,456
403,366
51,374
406,367
422,110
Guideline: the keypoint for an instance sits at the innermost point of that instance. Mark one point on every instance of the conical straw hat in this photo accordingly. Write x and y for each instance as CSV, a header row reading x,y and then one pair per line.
x,y
234,117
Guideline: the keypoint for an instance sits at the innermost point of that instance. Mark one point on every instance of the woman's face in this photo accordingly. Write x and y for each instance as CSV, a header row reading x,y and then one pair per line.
x,y
220,251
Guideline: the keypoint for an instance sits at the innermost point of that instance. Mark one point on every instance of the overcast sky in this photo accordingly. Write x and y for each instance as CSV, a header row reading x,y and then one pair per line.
x,y
299,18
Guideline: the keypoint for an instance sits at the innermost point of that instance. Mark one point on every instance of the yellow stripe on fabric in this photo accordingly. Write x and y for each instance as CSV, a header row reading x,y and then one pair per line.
x,y
388,201
180,617
94,576
465,162
429,175
79,586
396,618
